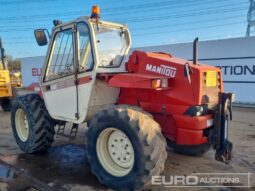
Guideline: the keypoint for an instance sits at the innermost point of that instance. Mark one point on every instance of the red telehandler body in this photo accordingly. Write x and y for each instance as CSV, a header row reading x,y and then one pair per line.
x,y
133,106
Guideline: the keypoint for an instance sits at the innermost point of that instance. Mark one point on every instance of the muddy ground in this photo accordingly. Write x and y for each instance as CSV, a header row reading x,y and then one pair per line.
x,y
64,167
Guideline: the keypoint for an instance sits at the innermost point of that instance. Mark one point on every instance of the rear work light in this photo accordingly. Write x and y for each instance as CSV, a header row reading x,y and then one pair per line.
x,y
159,83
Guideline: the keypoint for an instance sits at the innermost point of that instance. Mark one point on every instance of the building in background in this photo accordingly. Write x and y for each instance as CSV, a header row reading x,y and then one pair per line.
x,y
31,69
235,56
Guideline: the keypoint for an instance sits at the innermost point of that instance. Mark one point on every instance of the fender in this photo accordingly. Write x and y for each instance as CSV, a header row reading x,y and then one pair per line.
x,y
134,80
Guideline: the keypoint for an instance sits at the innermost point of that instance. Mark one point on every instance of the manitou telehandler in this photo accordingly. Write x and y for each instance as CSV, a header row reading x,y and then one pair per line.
x,y
132,107
8,81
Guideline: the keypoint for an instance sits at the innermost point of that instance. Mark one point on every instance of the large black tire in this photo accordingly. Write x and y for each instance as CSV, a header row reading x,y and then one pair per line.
x,y
6,104
192,150
41,125
145,135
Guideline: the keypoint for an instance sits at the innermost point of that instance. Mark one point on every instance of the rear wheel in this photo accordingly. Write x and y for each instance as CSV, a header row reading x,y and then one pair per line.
x,y
32,126
125,148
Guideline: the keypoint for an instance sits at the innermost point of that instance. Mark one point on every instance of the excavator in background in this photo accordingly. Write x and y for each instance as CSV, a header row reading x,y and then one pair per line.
x,y
8,81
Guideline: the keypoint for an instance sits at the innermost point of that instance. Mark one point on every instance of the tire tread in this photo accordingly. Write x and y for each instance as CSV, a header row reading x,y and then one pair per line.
x,y
149,133
41,124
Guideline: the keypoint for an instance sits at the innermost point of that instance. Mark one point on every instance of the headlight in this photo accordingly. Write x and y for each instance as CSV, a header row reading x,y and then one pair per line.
x,y
197,110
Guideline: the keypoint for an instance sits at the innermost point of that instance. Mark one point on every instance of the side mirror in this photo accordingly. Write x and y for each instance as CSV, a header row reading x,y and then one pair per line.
x,y
40,37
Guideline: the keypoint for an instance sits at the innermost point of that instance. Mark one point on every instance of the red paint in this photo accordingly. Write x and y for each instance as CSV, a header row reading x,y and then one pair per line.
x,y
35,87
129,80
166,105
84,80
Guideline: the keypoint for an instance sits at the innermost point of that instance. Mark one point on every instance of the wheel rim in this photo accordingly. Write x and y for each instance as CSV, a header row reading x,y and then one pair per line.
x,y
115,152
21,124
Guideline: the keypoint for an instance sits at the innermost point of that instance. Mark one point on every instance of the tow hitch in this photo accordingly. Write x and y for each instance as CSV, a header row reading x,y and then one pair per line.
x,y
219,137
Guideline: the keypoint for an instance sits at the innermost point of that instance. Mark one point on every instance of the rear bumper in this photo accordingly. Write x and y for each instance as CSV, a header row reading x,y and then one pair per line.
x,y
190,130
199,130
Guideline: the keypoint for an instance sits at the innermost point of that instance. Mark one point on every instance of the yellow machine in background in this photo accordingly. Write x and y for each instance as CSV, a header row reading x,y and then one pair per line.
x,y
8,81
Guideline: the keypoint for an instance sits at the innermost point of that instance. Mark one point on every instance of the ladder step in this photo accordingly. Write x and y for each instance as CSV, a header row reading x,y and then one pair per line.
x,y
73,131
61,129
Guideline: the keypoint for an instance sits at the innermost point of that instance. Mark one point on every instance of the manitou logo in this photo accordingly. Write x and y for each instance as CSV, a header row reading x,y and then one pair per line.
x,y
162,69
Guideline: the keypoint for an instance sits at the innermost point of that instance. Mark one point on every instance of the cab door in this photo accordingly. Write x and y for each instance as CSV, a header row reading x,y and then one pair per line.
x,y
58,87
68,77
86,70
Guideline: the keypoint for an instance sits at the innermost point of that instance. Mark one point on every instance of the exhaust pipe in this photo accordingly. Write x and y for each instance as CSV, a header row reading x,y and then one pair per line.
x,y
195,53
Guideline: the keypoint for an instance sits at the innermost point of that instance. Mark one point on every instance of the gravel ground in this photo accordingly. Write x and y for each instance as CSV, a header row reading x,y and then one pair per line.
x,y
38,168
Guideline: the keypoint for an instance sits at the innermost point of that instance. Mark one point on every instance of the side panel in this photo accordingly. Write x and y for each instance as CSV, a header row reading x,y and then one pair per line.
x,y
85,86
102,97
168,112
61,98
64,103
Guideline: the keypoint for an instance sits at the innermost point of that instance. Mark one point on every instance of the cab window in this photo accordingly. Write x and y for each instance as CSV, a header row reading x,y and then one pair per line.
x,y
61,62
86,62
111,44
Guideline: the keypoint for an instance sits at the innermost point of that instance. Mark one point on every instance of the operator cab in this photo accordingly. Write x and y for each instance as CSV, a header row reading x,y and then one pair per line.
x,y
78,52
105,42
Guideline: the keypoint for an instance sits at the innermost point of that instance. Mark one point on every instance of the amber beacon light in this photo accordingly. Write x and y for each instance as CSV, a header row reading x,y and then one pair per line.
x,y
95,12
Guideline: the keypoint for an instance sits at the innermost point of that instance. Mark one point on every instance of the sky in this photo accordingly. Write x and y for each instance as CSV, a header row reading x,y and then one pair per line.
x,y
151,22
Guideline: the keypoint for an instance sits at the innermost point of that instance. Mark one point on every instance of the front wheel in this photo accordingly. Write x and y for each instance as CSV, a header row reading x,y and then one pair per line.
x,y
125,148
32,126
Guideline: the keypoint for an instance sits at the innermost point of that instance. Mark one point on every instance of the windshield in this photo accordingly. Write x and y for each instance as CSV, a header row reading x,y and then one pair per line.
x,y
112,44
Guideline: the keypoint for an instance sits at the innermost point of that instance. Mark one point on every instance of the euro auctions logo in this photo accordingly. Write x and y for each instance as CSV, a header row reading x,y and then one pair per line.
x,y
175,180
204,180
